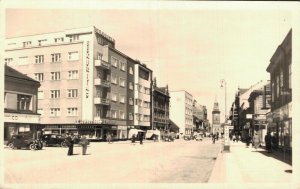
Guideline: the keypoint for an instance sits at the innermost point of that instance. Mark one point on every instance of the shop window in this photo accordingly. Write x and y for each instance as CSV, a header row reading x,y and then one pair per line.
x,y
25,128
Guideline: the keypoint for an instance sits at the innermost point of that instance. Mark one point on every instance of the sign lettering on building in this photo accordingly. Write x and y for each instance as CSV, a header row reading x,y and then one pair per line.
x,y
21,118
87,63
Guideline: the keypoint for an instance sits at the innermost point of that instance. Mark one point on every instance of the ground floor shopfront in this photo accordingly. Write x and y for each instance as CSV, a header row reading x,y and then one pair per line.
x,y
15,123
280,125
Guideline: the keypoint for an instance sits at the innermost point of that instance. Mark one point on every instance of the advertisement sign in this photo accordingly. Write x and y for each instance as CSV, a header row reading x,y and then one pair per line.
x,y
21,118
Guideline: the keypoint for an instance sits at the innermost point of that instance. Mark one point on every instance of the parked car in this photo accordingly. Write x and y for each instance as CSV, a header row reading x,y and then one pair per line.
x,y
187,137
53,140
24,141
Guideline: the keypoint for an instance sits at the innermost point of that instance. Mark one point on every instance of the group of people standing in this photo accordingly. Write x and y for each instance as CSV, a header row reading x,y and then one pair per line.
x,y
70,140
139,136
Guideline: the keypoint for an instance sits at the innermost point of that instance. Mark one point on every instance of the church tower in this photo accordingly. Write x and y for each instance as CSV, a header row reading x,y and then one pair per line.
x,y
216,125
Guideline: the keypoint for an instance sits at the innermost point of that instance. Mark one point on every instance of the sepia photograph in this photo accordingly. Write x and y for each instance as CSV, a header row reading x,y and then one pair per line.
x,y
149,94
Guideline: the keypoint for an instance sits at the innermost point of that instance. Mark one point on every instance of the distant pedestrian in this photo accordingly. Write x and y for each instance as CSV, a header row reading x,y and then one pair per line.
x,y
133,139
237,138
256,141
213,138
248,140
141,138
268,141
70,143
84,143
274,141
217,135
108,138
234,138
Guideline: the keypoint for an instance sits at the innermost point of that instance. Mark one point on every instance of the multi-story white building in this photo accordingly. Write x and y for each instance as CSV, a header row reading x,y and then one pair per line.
x,y
83,80
181,111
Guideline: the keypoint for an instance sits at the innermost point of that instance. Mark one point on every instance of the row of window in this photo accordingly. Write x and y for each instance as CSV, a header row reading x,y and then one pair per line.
x,y
72,93
279,79
142,89
55,112
39,59
189,121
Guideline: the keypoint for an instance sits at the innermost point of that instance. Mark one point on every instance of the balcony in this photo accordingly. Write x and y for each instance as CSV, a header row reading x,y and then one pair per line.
x,y
101,101
102,63
101,82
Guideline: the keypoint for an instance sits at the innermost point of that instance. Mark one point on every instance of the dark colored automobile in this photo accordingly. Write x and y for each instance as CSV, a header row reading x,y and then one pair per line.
x,y
53,140
24,141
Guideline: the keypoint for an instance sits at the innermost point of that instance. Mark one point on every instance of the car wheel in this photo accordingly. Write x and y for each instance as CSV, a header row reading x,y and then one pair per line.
x,y
63,144
11,146
32,147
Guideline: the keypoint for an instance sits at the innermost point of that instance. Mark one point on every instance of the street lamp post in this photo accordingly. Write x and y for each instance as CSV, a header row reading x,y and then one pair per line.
x,y
223,83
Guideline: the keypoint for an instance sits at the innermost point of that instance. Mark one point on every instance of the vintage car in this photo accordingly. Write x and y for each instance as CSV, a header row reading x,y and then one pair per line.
x,y
24,141
53,140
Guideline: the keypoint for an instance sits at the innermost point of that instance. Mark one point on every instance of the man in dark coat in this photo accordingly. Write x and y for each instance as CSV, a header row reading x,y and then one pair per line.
x,y
141,138
268,141
70,144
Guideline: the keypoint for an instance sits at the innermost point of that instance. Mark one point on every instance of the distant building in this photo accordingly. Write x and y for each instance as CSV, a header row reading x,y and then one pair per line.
x,y
199,116
216,124
181,111
20,104
161,106
280,69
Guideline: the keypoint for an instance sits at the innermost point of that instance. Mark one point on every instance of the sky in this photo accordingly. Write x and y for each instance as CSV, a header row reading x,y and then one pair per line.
x,y
190,49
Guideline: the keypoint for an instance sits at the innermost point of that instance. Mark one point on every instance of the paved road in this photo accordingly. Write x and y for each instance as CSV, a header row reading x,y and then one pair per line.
x,y
159,162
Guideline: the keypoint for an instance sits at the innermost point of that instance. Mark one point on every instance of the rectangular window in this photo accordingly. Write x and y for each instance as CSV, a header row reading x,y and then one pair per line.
x,y
73,55
72,93
26,43
7,61
24,102
131,85
114,114
42,42
122,99
55,93
131,71
39,76
39,59
281,78
56,57
99,56
147,91
122,114
54,112
130,101
40,111
138,102
74,38
55,76
146,118
40,95
23,60
24,128
138,117
114,62
130,116
146,104
114,97
114,79
58,40
122,66
72,111
73,74
122,82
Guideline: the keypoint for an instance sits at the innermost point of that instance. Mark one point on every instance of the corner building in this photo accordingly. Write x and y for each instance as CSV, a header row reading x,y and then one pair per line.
x,y
84,87
181,111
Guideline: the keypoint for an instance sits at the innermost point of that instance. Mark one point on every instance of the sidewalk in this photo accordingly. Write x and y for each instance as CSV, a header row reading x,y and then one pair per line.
x,y
247,165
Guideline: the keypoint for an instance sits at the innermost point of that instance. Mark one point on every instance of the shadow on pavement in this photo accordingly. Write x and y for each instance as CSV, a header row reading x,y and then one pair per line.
x,y
286,158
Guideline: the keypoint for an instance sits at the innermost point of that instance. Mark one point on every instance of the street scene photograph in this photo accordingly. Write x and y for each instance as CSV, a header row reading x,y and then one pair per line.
x,y
149,94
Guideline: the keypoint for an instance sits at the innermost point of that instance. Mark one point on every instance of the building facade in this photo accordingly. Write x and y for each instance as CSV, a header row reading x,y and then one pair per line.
x,y
86,83
216,124
181,111
280,69
161,106
20,104
199,117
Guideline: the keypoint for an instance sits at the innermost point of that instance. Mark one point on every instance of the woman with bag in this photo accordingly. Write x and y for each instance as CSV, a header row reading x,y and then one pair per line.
x,y
84,143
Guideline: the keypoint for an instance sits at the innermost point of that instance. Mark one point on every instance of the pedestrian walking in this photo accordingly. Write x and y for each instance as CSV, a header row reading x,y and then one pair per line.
x,y
268,141
213,138
70,143
133,139
274,141
237,138
256,141
217,136
141,138
84,143
248,141
108,138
